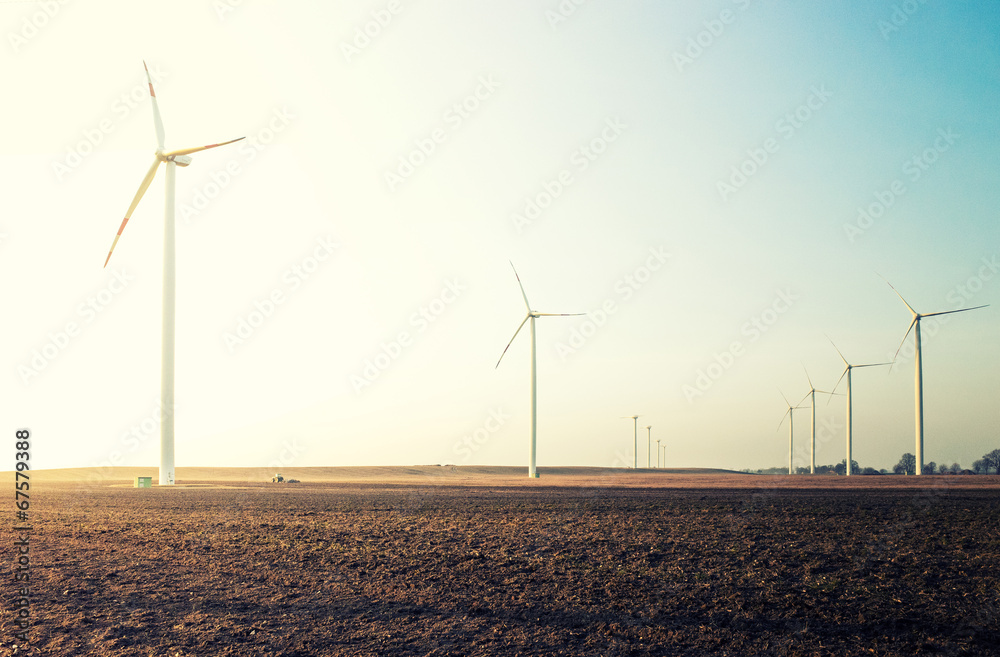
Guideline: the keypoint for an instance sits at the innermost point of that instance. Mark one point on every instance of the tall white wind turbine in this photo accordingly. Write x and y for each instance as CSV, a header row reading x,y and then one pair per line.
x,y
531,316
657,453
649,444
791,431
635,439
812,424
847,372
918,383
172,159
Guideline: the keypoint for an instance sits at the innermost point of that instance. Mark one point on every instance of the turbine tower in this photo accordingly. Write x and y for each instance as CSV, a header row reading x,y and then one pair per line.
x,y
790,428
635,439
918,383
812,424
847,372
657,453
649,444
531,316
172,159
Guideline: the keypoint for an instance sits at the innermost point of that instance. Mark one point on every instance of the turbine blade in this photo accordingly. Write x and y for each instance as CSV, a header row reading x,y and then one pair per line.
x,y
916,318
135,201
811,386
948,312
843,374
526,318
157,121
558,314
870,365
785,398
526,304
188,151
838,352
787,413
899,295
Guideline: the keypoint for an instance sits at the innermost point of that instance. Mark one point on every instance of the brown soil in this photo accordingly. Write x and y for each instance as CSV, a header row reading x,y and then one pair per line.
x,y
569,564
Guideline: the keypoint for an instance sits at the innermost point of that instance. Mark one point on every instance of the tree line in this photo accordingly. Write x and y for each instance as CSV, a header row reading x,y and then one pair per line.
x,y
989,464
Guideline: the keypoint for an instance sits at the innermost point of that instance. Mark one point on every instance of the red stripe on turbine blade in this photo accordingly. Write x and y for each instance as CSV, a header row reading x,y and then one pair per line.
x,y
121,228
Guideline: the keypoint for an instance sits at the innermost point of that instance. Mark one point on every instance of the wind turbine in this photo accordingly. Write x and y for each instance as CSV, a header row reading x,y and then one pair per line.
x,y
649,443
918,383
657,453
790,428
173,159
531,316
635,439
847,372
812,430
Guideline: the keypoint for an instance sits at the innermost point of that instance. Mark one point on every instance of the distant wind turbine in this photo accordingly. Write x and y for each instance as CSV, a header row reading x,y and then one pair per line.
x,y
812,425
173,159
657,453
918,383
847,372
788,413
649,444
635,439
531,316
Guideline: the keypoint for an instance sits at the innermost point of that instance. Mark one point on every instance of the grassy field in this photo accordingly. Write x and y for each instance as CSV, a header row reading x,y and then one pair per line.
x,y
436,560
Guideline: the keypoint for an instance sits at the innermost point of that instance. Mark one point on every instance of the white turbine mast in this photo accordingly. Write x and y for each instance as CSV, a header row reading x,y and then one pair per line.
x,y
788,414
172,159
918,383
850,411
649,444
812,424
635,439
531,316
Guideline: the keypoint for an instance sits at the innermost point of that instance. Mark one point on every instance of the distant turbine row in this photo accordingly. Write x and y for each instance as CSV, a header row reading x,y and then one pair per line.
x,y
918,393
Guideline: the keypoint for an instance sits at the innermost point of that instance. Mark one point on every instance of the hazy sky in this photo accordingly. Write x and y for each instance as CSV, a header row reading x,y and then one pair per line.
x,y
691,174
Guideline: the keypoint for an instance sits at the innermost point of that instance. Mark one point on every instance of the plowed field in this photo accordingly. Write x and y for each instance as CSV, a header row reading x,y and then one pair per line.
x,y
413,568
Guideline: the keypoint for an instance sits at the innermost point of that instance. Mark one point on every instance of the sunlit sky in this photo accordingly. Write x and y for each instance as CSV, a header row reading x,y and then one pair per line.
x,y
691,174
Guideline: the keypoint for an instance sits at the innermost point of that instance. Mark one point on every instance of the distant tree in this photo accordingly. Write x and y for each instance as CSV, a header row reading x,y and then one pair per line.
x,y
841,468
907,464
930,468
955,468
979,466
801,470
992,460
870,471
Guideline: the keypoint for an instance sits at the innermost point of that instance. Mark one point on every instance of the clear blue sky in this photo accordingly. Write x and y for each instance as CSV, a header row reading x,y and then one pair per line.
x,y
692,176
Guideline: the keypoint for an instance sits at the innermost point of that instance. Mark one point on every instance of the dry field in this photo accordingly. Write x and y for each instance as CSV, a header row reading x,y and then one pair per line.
x,y
482,561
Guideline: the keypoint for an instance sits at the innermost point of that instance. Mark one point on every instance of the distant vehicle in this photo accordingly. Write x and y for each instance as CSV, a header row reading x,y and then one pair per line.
x,y
277,478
